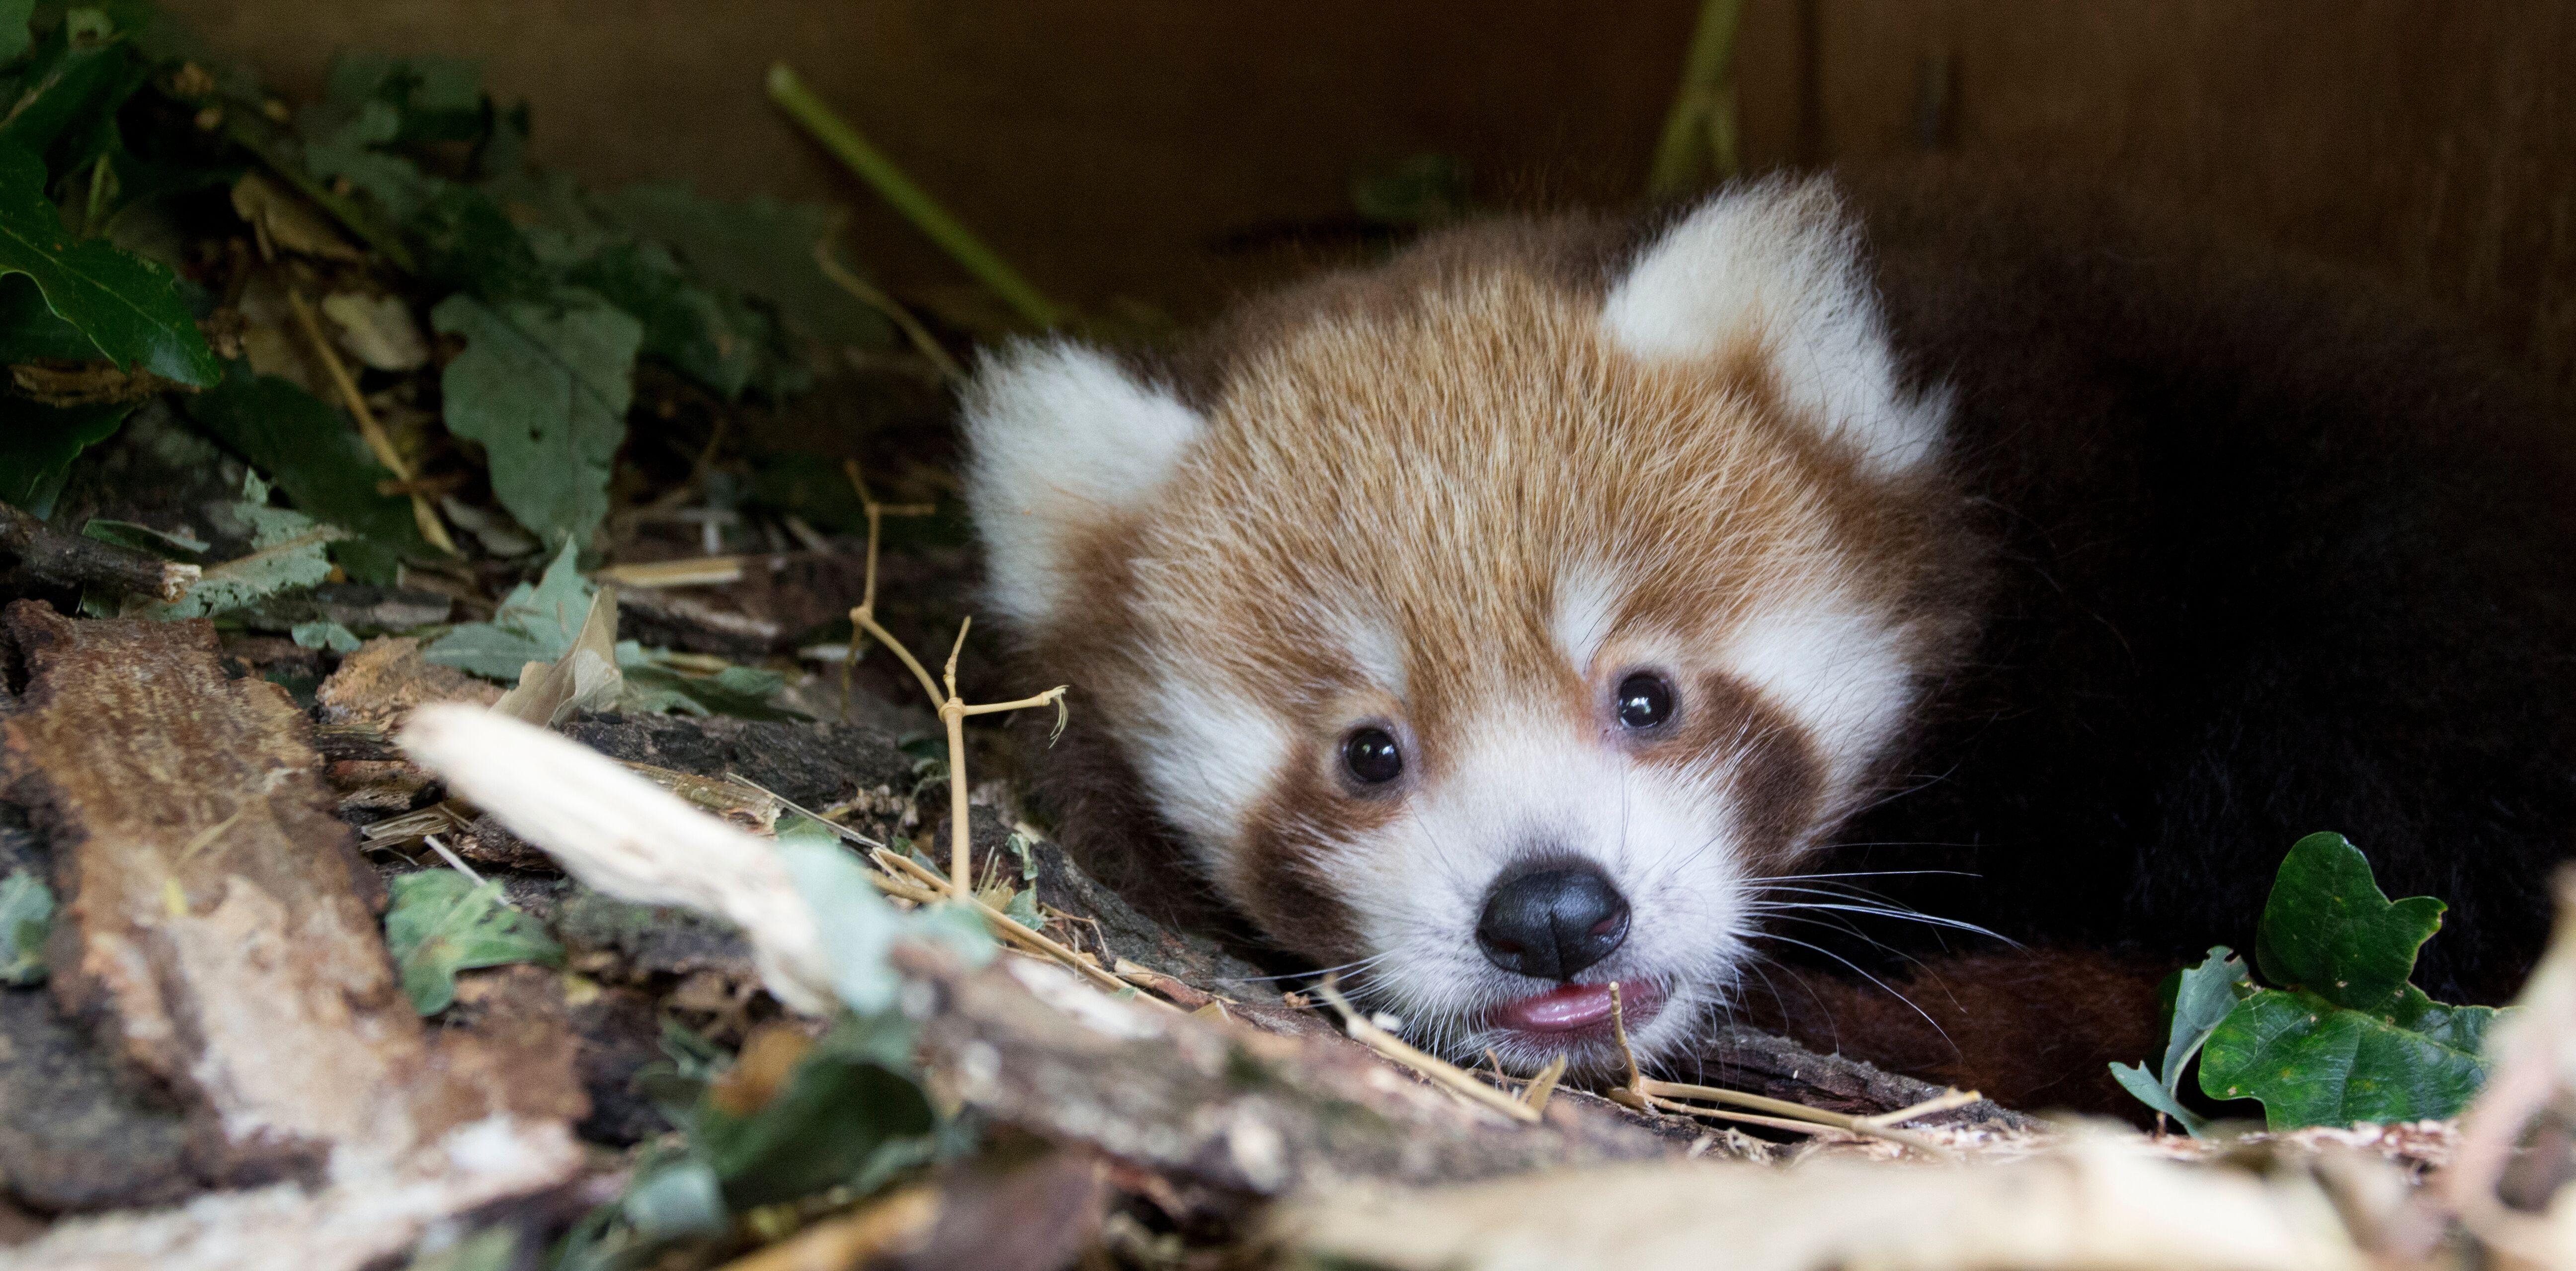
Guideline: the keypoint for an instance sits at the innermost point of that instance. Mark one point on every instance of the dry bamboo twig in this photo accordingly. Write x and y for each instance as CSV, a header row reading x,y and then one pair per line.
x,y
865,293
1643,1091
952,709
431,528
1439,1070
1010,928
1942,1102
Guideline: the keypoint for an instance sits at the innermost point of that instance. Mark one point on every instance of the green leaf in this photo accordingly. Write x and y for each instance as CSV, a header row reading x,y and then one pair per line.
x,y
709,337
39,442
314,453
288,551
741,692
495,1248
78,63
2314,1063
2204,997
857,926
29,330
2135,1079
26,919
2329,929
680,1200
838,1112
545,389
14,35
761,245
144,538
324,634
127,307
442,923
536,622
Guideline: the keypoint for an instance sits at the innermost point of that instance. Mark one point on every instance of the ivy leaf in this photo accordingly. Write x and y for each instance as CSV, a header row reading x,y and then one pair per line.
x,y
2142,1084
838,1114
2314,1063
26,918
317,457
741,692
2205,996
536,622
2329,929
711,339
126,307
324,634
2347,1039
442,923
761,245
545,389
287,553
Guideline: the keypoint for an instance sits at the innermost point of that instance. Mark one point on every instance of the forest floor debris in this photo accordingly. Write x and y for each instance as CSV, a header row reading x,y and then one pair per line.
x,y
485,813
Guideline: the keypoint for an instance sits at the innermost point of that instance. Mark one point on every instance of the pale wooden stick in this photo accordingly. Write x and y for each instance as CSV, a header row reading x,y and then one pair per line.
x,y
431,527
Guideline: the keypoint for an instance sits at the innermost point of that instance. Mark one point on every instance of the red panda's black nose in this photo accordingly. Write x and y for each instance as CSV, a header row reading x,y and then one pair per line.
x,y
1551,923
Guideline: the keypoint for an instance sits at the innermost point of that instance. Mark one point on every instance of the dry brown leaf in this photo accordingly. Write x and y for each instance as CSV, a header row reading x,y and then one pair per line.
x,y
377,330
585,678
284,222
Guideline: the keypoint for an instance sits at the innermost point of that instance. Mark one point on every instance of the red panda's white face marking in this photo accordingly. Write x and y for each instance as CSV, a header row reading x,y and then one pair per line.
x,y
1503,633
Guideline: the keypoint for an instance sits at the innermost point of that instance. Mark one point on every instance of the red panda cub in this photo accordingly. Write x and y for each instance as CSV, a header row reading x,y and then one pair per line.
x,y
1569,602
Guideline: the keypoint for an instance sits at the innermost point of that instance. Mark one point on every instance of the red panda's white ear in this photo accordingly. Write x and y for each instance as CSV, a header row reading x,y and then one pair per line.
x,y
1777,266
1061,440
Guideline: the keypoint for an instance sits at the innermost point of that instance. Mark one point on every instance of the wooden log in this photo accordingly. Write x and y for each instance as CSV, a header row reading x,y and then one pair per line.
x,y
1225,1106
217,927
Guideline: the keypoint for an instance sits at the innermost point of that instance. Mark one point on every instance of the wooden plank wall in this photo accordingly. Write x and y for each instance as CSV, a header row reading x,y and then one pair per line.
x,y
1109,145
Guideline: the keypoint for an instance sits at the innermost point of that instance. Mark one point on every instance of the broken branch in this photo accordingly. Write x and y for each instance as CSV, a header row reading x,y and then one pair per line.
x,y
71,560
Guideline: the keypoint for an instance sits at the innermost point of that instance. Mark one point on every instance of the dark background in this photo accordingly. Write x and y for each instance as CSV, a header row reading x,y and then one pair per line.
x,y
1107,148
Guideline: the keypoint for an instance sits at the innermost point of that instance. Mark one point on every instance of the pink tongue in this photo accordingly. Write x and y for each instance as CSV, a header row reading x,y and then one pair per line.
x,y
1559,1010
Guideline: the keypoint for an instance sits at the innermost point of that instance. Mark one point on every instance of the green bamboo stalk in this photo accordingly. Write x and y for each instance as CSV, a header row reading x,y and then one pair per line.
x,y
890,183
1700,130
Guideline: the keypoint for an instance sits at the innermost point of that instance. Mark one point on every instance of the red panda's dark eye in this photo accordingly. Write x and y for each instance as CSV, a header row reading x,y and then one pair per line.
x,y
1645,700
1372,757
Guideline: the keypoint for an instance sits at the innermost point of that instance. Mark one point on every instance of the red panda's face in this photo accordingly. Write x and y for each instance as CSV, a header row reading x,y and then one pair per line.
x,y
1498,641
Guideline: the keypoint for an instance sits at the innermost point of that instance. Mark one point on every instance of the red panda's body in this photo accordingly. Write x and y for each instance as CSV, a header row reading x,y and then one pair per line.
x,y
1553,604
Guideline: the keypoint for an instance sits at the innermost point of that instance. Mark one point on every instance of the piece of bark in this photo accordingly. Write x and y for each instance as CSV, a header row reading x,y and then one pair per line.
x,y
777,599
1227,1107
217,928
814,765
1007,1210
72,560
74,1138
380,684
363,608
1748,1059
368,1217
